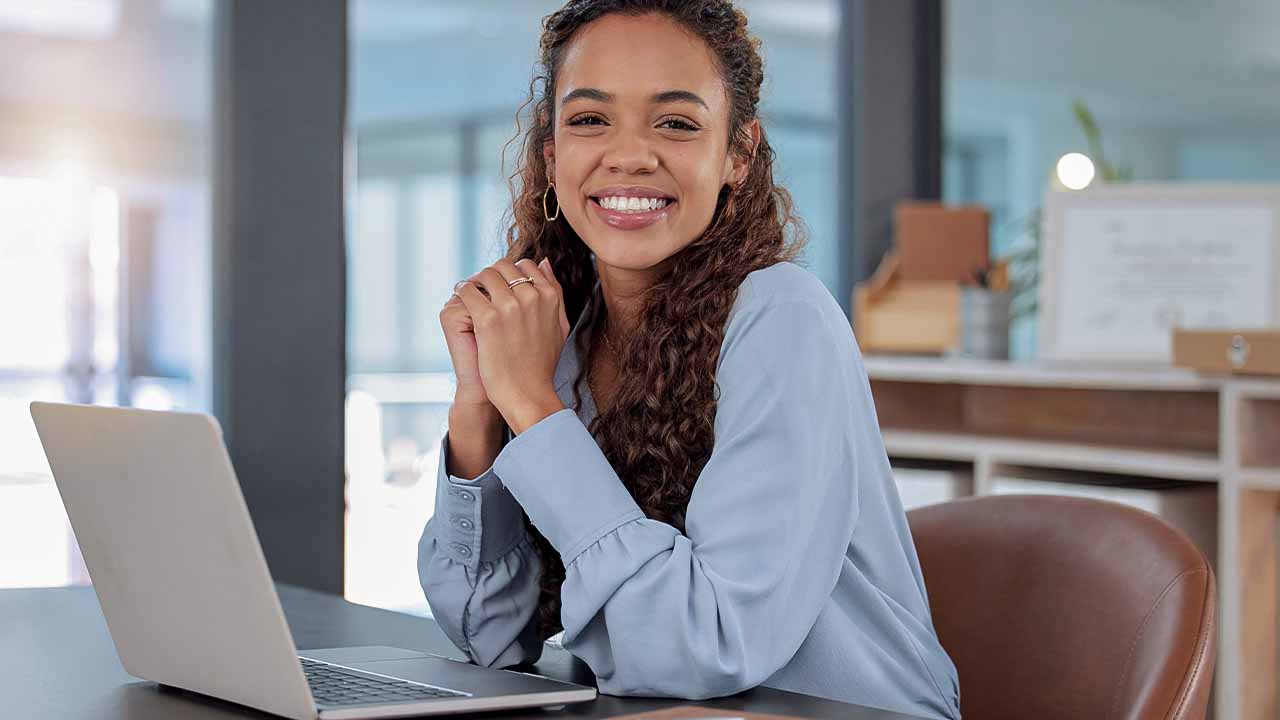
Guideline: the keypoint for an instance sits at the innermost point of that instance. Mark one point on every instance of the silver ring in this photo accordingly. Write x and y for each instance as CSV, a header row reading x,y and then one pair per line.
x,y
517,281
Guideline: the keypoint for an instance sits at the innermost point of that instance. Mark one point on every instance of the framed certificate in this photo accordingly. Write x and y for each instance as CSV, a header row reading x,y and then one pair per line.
x,y
1123,265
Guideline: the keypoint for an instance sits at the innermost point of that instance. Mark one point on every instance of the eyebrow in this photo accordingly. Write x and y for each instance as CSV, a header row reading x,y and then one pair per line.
x,y
666,96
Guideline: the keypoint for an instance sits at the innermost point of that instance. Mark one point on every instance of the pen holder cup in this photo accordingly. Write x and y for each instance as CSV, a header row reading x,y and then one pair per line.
x,y
984,323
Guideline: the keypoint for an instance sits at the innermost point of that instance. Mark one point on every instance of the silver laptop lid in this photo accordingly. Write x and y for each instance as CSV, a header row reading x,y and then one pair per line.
x,y
172,552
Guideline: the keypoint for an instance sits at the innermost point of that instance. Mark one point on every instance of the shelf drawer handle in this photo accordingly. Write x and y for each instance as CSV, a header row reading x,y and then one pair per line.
x,y
1238,353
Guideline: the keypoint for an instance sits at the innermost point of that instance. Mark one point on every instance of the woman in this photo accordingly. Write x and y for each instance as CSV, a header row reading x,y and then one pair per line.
x,y
715,510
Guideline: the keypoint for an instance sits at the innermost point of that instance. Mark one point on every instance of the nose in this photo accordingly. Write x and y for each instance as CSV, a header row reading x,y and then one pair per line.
x,y
630,153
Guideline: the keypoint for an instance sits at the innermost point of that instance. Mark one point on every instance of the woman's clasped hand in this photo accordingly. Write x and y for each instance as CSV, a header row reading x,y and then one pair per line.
x,y
505,341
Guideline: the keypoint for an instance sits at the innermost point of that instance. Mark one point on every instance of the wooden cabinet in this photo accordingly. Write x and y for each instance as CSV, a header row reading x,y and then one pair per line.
x,y
1207,449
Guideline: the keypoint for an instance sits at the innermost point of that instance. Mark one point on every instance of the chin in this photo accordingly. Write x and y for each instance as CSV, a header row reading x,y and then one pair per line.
x,y
629,251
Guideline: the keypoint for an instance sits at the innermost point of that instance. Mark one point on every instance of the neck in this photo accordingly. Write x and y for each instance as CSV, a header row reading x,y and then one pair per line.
x,y
623,292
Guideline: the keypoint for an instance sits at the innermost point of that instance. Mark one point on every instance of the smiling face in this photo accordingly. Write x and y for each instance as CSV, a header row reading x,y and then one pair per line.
x,y
640,148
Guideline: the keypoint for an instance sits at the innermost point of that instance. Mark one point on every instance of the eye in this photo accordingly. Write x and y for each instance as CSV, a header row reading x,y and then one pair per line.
x,y
586,120
676,123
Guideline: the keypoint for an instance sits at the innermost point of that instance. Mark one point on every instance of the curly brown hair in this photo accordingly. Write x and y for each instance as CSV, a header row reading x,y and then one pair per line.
x,y
659,431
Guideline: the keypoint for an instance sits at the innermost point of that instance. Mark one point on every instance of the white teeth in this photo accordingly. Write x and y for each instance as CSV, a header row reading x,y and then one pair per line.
x,y
632,204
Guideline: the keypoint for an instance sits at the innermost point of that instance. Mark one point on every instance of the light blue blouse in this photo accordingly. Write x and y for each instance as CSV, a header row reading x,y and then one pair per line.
x,y
796,571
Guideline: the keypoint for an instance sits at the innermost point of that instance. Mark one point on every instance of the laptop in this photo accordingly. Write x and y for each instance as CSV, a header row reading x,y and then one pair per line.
x,y
186,592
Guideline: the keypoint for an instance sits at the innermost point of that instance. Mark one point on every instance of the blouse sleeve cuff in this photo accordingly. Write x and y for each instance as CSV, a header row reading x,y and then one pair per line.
x,y
482,521
564,482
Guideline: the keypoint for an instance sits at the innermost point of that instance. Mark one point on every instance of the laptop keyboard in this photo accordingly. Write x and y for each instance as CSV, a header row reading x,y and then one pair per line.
x,y
333,685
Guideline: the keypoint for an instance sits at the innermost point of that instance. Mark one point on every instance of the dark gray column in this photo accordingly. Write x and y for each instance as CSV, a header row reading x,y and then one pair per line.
x,y
279,274
890,55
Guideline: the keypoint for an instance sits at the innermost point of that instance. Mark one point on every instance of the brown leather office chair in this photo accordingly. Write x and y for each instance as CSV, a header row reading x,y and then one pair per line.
x,y
1064,607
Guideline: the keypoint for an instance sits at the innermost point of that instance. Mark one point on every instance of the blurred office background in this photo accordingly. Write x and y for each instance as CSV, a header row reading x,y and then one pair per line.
x,y
1183,91
106,127
104,236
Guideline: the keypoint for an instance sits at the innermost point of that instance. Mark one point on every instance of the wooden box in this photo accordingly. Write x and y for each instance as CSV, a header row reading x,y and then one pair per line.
x,y
894,316
1245,352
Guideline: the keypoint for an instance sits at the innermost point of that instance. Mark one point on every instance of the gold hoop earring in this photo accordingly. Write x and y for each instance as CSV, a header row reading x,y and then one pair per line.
x,y
550,218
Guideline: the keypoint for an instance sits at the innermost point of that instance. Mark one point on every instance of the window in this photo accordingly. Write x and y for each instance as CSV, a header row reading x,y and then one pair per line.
x,y
103,237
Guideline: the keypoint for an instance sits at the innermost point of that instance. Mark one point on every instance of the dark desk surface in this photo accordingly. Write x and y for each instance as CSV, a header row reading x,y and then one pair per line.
x,y
57,661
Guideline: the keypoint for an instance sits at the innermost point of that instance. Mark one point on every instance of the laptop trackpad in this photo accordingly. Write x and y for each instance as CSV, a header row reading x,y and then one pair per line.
x,y
418,667
462,676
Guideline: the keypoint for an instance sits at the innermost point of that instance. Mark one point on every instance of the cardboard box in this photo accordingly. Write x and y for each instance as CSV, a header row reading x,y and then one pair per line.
x,y
1244,352
939,243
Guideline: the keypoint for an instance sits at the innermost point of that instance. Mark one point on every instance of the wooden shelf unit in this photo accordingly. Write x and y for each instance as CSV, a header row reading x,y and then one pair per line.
x,y
1002,419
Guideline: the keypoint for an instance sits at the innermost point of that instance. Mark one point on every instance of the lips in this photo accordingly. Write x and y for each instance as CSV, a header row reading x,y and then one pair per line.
x,y
614,205
630,220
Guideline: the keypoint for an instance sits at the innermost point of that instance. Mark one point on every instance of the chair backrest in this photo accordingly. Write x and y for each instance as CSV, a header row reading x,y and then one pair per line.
x,y
1064,607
